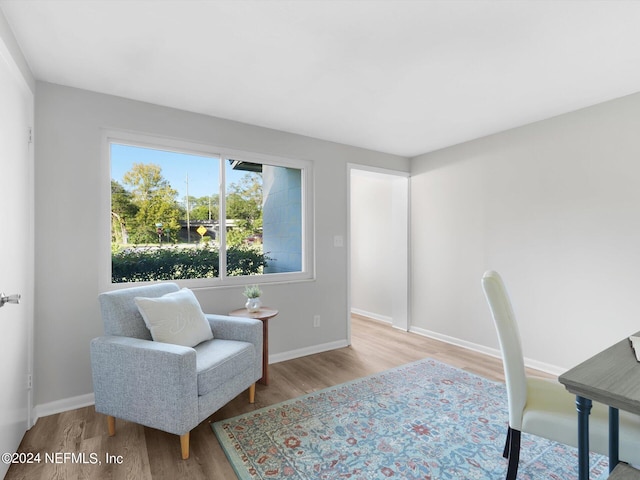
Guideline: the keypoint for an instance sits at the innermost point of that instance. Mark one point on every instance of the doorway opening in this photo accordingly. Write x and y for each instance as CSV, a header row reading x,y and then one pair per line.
x,y
379,245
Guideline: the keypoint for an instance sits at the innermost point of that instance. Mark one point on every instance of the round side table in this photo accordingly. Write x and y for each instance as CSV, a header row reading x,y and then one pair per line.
x,y
264,314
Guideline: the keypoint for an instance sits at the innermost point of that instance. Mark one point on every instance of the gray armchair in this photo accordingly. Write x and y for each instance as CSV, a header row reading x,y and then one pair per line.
x,y
169,387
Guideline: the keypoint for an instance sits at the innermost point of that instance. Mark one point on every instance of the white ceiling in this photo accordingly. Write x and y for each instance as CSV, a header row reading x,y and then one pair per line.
x,y
403,77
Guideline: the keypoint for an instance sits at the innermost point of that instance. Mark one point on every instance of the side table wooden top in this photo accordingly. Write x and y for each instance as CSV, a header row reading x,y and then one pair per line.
x,y
263,314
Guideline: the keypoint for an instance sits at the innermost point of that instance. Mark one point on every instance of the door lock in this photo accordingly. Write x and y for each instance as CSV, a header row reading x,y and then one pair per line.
x,y
9,299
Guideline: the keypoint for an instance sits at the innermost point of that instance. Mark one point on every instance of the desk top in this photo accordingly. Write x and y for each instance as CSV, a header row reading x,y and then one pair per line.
x,y
611,377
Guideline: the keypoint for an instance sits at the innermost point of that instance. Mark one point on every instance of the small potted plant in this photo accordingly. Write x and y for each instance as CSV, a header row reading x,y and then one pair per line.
x,y
253,293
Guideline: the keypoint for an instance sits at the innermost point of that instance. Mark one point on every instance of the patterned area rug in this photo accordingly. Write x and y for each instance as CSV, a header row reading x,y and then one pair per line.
x,y
424,420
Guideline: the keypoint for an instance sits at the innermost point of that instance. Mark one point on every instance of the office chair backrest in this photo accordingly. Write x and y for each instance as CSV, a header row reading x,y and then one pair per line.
x,y
510,344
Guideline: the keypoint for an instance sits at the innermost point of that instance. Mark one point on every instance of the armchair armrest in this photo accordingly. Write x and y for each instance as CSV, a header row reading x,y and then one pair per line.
x,y
147,382
236,328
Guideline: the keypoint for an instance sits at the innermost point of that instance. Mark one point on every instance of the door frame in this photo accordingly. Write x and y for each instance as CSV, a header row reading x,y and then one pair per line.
x,y
401,315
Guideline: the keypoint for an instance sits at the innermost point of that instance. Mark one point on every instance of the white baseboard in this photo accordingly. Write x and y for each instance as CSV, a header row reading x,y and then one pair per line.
x,y
374,316
303,352
493,352
64,405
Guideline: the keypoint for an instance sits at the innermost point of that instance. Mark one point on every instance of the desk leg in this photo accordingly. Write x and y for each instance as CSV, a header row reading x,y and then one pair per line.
x,y
583,405
614,437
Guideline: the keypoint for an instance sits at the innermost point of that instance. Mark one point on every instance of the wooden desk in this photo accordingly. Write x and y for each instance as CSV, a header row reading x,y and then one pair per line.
x,y
264,314
611,377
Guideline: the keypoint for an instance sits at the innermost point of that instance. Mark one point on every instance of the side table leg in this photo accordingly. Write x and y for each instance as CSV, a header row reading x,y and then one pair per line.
x,y
583,405
265,352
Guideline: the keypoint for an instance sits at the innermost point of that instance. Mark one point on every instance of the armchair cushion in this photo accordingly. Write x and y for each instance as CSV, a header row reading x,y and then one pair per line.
x,y
176,318
219,361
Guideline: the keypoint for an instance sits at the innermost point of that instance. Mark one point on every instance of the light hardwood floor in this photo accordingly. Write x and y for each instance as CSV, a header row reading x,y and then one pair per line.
x,y
151,454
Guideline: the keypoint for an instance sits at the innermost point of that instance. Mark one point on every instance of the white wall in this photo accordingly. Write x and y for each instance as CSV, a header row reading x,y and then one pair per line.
x,y
9,47
555,208
371,244
69,219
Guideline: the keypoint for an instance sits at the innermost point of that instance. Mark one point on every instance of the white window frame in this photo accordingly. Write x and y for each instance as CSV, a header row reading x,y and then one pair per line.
x,y
189,147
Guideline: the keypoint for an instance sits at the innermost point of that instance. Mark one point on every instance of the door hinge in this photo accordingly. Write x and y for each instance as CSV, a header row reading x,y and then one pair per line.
x,y
29,381
30,135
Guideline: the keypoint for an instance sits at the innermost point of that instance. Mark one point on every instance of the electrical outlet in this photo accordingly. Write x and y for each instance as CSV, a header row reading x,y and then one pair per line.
x,y
316,321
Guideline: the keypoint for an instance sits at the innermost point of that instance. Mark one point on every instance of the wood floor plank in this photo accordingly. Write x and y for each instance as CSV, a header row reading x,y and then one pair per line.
x,y
151,454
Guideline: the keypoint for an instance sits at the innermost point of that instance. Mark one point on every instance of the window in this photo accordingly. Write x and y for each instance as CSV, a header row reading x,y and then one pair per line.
x,y
188,214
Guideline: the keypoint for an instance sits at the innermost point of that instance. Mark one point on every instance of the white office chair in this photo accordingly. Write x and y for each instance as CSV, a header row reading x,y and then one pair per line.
x,y
543,407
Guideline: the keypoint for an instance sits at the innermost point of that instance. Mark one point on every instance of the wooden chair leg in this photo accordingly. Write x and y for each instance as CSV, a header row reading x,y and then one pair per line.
x,y
252,393
184,445
111,425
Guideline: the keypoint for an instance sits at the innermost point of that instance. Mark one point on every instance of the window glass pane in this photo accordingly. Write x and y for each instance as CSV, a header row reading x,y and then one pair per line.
x,y
164,215
243,203
263,218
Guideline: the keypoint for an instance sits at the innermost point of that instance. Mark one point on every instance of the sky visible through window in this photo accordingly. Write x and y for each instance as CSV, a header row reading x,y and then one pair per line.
x,y
203,171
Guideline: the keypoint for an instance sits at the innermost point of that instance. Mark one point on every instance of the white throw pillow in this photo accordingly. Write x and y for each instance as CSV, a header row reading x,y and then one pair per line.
x,y
175,318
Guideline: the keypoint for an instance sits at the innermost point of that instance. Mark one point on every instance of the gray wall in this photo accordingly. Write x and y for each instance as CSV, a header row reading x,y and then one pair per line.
x,y
68,182
555,208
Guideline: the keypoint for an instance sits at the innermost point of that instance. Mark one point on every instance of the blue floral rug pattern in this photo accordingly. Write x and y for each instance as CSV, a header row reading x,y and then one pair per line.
x,y
425,420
